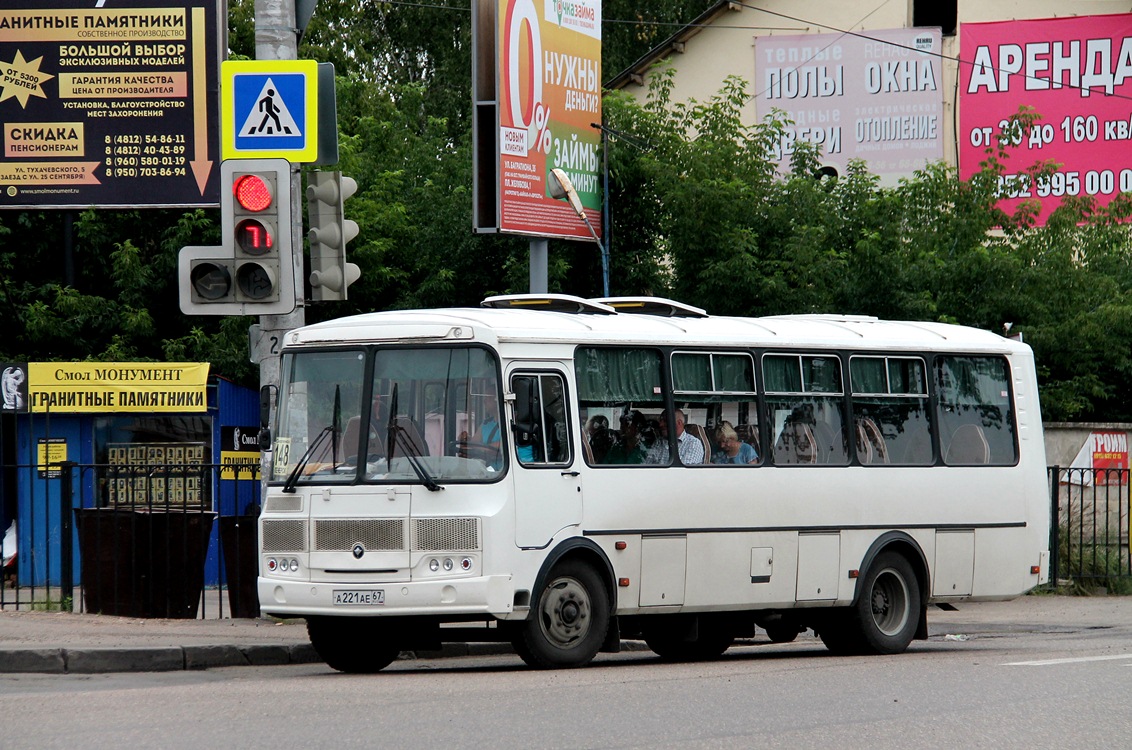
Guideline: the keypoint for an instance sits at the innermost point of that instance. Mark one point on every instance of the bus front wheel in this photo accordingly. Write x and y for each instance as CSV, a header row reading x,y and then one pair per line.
x,y
355,645
569,622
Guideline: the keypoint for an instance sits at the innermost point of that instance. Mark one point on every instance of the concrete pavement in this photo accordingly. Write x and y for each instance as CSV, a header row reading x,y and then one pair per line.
x,y
60,642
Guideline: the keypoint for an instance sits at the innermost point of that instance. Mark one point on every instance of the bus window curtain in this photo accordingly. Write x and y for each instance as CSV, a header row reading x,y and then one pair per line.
x,y
617,375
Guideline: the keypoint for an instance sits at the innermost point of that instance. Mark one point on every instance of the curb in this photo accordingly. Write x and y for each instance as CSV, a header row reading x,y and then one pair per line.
x,y
178,658
151,659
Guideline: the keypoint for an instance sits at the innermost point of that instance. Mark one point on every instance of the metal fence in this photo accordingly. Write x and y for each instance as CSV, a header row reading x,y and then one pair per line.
x,y
173,540
180,540
1089,513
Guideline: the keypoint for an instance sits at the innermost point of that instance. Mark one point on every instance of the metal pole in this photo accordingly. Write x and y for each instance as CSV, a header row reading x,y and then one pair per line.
x,y
277,38
538,266
66,542
605,233
69,248
1054,517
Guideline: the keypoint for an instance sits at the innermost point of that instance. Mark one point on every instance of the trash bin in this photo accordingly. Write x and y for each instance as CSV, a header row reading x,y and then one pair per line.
x,y
141,563
239,539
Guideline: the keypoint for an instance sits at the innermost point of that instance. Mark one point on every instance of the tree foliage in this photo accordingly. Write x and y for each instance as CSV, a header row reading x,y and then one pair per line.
x,y
744,240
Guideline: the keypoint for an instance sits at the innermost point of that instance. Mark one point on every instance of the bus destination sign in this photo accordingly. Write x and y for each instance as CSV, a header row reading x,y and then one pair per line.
x,y
109,103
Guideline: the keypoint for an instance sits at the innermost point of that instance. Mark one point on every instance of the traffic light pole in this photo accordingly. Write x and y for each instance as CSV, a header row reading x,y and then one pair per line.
x,y
277,38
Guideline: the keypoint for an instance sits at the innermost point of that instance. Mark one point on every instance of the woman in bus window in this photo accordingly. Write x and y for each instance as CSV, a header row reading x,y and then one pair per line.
x,y
732,450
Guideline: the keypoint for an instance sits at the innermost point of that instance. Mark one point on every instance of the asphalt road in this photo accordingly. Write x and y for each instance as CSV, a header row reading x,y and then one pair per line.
x,y
1021,675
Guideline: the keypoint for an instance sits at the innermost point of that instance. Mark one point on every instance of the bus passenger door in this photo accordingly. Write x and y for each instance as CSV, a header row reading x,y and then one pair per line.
x,y
548,489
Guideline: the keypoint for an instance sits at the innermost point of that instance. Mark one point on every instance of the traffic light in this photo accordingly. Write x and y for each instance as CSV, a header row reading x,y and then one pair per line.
x,y
252,273
330,230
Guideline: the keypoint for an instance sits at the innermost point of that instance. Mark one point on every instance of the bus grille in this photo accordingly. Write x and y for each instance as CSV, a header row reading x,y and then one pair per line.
x,y
276,504
284,536
373,534
446,534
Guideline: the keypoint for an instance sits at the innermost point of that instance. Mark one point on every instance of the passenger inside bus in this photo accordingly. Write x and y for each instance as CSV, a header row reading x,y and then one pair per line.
x,y
732,450
691,448
629,449
488,448
598,437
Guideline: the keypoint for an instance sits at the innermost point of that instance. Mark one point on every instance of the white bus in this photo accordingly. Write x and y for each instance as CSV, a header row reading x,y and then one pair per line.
x,y
505,473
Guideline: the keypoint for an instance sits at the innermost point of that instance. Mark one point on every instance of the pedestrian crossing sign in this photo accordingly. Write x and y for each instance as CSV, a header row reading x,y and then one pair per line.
x,y
269,110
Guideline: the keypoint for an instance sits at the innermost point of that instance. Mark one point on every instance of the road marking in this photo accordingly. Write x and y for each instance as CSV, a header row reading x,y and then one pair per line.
x,y
1073,660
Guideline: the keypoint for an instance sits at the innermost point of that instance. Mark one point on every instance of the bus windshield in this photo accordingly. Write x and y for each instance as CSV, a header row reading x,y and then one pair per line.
x,y
418,415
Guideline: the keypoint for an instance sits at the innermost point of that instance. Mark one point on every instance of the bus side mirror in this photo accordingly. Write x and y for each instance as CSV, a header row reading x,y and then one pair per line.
x,y
526,407
265,400
264,438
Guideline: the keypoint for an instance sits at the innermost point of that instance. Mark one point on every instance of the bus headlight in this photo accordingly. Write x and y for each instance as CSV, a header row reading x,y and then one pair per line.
x,y
448,564
434,565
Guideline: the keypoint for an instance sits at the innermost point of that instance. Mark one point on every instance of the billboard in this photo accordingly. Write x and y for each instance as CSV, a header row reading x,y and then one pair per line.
x,y
108,104
879,98
537,113
1106,454
1074,72
114,387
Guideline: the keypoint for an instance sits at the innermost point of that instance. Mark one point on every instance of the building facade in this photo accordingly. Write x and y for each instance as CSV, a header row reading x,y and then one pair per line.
x,y
889,83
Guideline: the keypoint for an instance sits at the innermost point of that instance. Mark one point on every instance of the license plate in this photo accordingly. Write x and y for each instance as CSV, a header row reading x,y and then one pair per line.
x,y
359,597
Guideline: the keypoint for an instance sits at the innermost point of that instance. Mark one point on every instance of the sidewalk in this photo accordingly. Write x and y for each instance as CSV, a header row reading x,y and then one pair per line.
x,y
58,642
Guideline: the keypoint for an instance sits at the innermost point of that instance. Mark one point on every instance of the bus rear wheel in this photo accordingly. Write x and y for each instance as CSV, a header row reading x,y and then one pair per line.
x,y
355,645
885,616
569,622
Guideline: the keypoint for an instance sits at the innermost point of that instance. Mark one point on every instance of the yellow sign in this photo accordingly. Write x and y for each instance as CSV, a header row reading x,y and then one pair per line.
x,y
109,106
239,465
269,110
50,453
118,386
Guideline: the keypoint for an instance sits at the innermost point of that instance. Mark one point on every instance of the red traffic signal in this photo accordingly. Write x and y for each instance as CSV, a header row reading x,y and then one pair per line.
x,y
252,192
252,272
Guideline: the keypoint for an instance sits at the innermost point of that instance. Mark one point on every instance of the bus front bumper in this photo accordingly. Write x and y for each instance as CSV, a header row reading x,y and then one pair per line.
x,y
485,595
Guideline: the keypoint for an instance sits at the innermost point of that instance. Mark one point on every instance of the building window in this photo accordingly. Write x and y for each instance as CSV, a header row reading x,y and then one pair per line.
x,y
940,13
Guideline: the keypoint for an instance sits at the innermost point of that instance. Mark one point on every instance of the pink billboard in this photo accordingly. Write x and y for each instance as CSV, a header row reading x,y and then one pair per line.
x,y
1075,73
549,84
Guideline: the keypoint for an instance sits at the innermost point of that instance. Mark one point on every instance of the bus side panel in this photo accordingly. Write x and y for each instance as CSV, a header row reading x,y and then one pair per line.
x,y
722,568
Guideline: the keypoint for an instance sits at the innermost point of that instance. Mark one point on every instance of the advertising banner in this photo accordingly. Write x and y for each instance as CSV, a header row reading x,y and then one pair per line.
x,y
239,452
878,99
1075,73
549,87
1102,452
117,386
108,104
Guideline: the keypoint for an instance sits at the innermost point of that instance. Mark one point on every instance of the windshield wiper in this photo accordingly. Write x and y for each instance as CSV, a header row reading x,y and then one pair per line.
x,y
396,435
410,452
336,425
289,485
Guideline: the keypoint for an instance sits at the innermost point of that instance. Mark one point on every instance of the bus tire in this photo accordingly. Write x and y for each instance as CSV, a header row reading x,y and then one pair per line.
x,y
886,614
569,621
355,645
782,632
837,633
